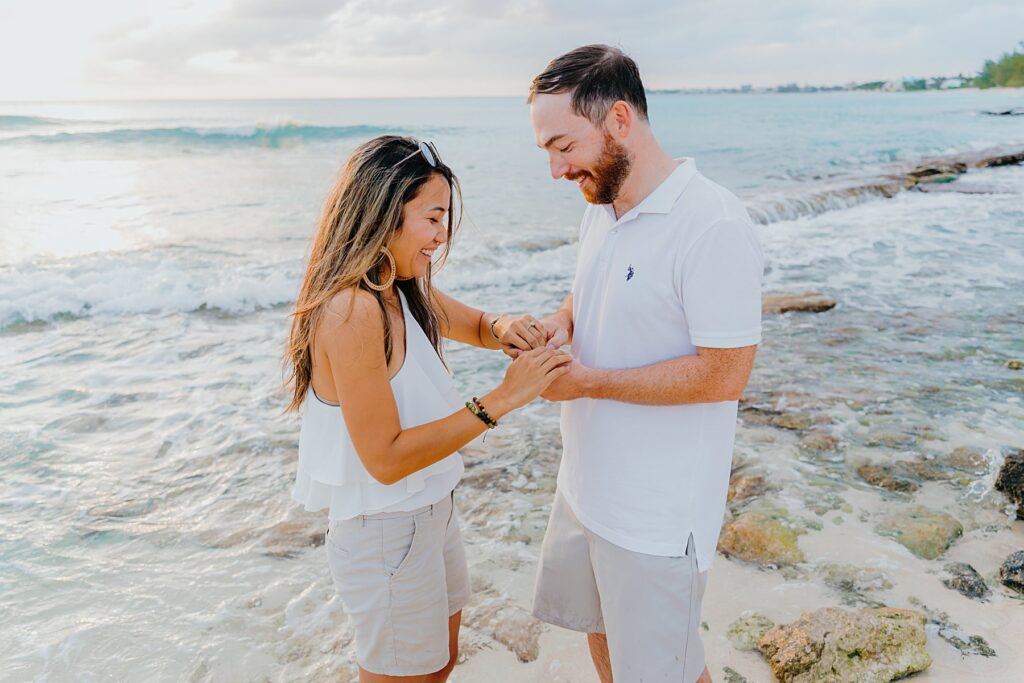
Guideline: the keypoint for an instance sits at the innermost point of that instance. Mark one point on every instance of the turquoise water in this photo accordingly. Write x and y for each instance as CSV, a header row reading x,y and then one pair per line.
x,y
149,252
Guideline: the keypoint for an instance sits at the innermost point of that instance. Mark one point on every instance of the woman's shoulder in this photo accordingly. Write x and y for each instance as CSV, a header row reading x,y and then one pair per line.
x,y
352,310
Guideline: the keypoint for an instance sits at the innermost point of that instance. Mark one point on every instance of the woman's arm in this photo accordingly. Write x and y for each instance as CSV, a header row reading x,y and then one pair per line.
x,y
351,337
471,326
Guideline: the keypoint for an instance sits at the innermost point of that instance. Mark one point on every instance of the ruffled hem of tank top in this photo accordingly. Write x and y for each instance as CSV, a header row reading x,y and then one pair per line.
x,y
358,494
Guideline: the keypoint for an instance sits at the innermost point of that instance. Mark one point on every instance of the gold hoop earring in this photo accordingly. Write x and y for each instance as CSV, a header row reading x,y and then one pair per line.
x,y
391,279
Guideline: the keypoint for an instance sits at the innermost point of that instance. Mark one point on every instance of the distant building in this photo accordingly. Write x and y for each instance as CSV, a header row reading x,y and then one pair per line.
x,y
893,86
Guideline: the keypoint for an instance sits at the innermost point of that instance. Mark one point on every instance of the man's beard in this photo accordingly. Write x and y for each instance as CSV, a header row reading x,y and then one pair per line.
x,y
610,171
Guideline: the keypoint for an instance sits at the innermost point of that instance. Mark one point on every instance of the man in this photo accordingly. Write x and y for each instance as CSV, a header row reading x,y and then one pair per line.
x,y
664,320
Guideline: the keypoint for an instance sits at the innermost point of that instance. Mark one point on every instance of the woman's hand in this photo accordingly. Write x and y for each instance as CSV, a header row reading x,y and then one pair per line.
x,y
520,333
531,373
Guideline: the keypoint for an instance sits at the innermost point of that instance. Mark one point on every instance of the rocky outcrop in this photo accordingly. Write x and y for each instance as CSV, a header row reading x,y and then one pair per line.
x,y
965,580
841,646
761,537
1011,573
1011,479
937,172
804,302
1011,159
926,533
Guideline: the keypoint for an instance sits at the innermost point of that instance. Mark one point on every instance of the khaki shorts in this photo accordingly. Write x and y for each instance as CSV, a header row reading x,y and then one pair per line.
x,y
648,605
400,576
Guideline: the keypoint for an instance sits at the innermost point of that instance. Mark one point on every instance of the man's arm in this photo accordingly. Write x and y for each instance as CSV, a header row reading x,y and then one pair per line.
x,y
711,376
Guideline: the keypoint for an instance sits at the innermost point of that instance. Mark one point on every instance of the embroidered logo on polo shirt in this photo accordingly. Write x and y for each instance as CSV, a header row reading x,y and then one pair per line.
x,y
629,273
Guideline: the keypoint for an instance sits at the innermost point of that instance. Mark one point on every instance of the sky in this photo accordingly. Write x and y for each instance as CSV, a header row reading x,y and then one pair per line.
x,y
145,49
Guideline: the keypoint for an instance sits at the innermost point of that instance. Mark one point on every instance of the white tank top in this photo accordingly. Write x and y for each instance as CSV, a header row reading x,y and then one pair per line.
x,y
330,474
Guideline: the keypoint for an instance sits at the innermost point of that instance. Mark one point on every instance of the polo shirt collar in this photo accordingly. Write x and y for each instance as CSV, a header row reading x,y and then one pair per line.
x,y
665,195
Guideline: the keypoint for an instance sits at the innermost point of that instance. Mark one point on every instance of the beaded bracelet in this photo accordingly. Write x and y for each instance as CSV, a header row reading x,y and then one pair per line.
x,y
477,409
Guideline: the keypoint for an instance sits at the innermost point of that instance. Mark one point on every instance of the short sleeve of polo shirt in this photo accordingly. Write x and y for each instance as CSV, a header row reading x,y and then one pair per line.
x,y
721,286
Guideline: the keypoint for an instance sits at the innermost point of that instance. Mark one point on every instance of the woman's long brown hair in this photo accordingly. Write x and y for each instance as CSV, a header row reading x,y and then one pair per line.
x,y
362,212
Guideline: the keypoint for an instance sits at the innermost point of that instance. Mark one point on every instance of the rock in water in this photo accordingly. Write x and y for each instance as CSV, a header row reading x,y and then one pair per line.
x,y
1011,480
887,476
965,580
1012,571
761,538
746,632
733,676
835,645
507,623
744,487
926,533
804,302
793,421
942,171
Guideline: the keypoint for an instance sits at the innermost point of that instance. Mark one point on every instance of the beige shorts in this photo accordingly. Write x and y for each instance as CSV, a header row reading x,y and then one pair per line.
x,y
648,605
400,576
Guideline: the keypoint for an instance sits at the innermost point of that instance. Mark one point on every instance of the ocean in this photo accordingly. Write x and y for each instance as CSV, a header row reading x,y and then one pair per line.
x,y
149,253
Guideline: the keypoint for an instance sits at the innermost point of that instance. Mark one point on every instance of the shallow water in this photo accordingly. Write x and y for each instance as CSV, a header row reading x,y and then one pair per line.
x,y
146,531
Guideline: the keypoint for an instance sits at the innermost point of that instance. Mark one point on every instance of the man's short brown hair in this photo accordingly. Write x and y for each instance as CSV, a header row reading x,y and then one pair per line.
x,y
598,76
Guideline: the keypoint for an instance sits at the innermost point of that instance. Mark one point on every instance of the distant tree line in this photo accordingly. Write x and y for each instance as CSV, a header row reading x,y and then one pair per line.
x,y
1008,72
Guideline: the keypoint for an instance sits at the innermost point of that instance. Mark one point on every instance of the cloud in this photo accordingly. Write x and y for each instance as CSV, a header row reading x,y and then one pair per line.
x,y
278,48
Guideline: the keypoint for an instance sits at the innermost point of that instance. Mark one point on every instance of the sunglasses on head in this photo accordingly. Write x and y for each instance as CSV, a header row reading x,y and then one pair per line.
x,y
429,153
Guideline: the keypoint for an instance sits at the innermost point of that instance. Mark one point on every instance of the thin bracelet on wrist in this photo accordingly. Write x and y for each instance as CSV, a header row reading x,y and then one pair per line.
x,y
493,323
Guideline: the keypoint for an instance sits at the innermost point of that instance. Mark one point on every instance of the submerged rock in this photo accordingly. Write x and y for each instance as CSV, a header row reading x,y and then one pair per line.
x,y
853,583
746,632
888,476
953,634
1011,573
1015,364
967,459
733,676
926,533
804,302
508,624
819,441
965,580
765,539
744,487
1011,479
835,645
794,421
891,439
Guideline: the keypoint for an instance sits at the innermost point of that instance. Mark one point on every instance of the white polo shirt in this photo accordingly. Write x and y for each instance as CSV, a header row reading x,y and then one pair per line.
x,y
681,269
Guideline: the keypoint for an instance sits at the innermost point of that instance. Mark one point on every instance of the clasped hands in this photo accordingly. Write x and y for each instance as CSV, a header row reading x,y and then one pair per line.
x,y
518,334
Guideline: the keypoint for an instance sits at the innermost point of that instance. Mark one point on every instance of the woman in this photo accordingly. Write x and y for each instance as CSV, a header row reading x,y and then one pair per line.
x,y
366,338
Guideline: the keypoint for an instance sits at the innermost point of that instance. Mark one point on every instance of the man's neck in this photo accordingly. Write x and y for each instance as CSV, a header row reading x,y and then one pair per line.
x,y
651,165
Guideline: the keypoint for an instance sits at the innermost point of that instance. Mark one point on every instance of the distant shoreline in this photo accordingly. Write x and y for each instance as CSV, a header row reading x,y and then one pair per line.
x,y
802,90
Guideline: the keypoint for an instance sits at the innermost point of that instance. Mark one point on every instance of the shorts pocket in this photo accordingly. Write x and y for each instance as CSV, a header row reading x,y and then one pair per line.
x,y
400,540
334,540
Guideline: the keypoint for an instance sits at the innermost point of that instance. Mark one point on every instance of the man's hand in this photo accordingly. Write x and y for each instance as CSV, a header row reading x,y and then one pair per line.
x,y
559,327
571,385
